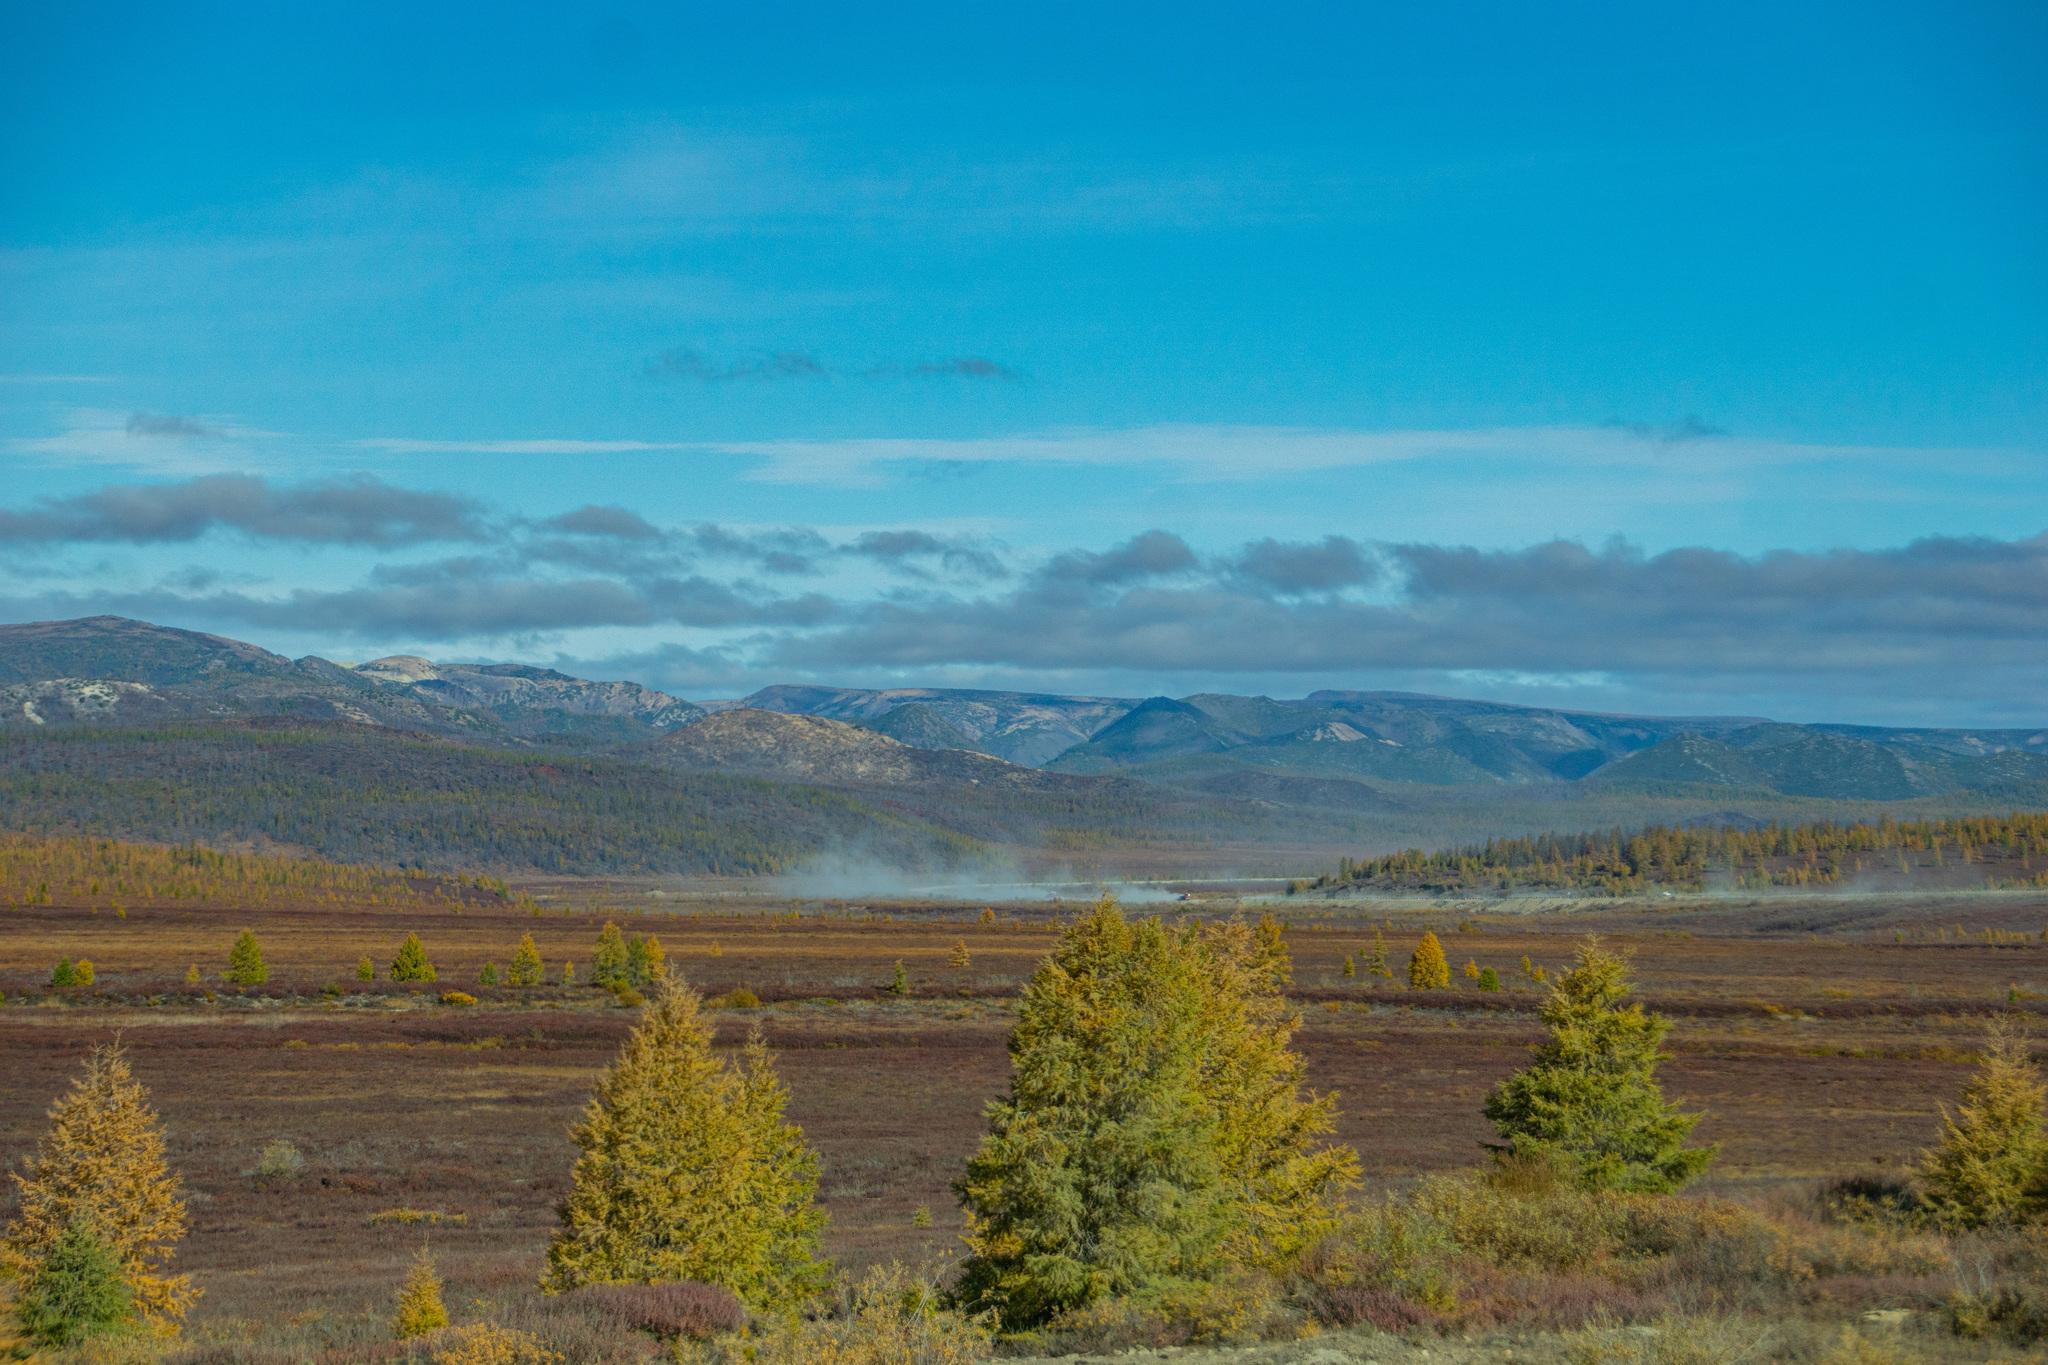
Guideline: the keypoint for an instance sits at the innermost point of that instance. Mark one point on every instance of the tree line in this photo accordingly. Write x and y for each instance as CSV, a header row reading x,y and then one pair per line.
x,y
1664,855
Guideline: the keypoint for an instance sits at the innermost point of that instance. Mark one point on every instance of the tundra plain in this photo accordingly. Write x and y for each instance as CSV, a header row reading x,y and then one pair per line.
x,y
1820,1036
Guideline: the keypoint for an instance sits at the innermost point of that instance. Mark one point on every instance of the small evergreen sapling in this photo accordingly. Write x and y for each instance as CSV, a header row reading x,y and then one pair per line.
x,y
420,1309
1991,1165
1429,969
1350,967
1589,1103
488,976
1489,979
609,961
1376,965
366,970
77,1293
1471,969
245,961
960,957
192,974
526,964
83,970
63,974
411,963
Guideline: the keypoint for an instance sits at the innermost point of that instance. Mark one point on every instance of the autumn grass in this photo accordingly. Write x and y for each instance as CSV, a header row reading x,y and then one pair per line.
x,y
1820,1039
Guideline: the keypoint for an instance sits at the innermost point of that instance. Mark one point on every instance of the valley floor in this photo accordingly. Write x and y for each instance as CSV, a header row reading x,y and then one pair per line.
x,y
1816,1046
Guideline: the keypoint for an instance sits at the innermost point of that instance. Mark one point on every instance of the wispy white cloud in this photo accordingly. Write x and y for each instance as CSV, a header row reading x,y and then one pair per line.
x,y
1238,454
155,443
405,446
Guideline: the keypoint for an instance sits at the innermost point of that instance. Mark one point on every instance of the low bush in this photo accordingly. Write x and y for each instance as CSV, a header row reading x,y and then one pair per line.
x,y
680,1308
1674,1340
458,998
738,998
893,1316
486,1344
414,1217
279,1163
1234,1311
2019,1316
1390,1248
1560,1228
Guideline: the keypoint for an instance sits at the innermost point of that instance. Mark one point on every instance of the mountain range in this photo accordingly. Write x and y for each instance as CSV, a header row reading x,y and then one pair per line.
x,y
1334,768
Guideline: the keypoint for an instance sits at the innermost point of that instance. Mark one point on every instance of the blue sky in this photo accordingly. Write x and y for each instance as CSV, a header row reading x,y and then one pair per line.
x,y
1627,357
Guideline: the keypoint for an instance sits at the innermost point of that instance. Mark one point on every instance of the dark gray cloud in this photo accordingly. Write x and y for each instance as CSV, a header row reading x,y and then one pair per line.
x,y
359,510
1292,568
691,365
592,520
147,424
791,551
901,550
1151,555
455,600
1930,607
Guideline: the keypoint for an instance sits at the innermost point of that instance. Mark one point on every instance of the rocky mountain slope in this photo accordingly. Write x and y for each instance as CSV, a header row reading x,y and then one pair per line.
x,y
1060,770
1024,727
814,749
107,670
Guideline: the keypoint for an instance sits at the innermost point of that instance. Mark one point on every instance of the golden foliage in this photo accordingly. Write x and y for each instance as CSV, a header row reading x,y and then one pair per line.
x,y
1429,969
420,1309
487,1344
526,969
104,1156
413,1217
892,1317
689,1171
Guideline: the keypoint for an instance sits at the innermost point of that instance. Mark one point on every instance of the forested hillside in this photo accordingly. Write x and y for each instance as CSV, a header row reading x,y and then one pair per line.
x,y
365,794
1979,851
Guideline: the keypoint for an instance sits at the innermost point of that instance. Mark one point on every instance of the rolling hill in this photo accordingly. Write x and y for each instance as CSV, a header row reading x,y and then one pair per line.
x,y
363,793
107,670
1222,778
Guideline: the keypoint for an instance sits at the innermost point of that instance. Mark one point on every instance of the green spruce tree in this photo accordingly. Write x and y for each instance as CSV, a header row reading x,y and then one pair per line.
x,y
245,961
1589,1103
1376,964
690,1172
609,960
77,1293
1154,1131
411,963
1991,1165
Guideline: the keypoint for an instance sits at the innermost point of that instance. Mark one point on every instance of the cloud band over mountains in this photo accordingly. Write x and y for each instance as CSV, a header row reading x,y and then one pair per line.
x,y
1963,613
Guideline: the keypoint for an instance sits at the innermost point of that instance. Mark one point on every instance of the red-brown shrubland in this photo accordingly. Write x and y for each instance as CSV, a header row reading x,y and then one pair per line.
x,y
1818,1043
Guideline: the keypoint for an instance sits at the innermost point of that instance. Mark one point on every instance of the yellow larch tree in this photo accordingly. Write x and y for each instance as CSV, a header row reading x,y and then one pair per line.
x,y
103,1159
